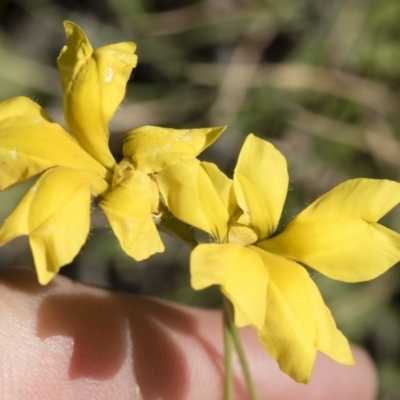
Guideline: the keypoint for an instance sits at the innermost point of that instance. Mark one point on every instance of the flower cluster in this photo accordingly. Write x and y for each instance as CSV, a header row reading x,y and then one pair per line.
x,y
77,165
259,271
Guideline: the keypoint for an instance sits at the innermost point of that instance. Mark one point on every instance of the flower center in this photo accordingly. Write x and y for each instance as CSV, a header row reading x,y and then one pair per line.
x,y
241,234
122,172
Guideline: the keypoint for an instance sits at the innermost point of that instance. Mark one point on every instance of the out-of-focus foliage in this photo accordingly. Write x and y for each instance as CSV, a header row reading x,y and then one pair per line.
x,y
318,78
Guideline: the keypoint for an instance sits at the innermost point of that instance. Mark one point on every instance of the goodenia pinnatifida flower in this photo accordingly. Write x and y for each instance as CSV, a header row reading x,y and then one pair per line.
x,y
76,164
261,272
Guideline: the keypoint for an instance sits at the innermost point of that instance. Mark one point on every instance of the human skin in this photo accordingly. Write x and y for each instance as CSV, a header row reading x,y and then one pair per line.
x,y
71,341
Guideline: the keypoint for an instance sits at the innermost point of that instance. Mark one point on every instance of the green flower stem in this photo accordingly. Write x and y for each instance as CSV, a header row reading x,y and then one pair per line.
x,y
174,227
234,332
228,382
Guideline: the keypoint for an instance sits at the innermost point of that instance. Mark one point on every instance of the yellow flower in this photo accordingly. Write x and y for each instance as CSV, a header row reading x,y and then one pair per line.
x,y
338,235
55,212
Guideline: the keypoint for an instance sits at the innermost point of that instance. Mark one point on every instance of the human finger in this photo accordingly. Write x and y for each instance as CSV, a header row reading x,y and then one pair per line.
x,y
72,341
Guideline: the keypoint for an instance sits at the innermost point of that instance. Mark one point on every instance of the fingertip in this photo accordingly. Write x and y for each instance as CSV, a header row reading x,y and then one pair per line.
x,y
329,381
366,375
345,382
71,338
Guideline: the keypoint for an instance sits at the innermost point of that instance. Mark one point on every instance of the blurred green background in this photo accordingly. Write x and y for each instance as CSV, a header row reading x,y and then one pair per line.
x,y
318,78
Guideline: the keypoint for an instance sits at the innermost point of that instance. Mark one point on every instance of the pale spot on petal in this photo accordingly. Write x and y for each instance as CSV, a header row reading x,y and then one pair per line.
x,y
109,76
14,154
128,224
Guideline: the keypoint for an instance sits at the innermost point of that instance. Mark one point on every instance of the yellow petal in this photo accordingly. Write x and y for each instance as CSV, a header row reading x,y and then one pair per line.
x,y
31,143
338,234
198,194
94,86
297,322
261,183
152,148
129,209
242,275
55,214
